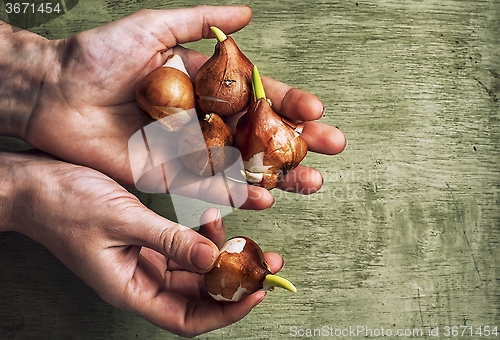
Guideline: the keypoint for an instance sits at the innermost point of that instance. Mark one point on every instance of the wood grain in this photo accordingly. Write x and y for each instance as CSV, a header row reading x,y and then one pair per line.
x,y
404,233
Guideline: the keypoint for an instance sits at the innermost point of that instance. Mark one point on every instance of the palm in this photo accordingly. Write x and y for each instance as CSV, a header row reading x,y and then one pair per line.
x,y
92,110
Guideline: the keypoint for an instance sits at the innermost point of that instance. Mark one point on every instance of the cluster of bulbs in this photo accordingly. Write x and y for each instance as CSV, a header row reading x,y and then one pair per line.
x,y
227,84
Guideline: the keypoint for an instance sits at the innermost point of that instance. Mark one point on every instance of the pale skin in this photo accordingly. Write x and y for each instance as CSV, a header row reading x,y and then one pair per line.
x,y
74,99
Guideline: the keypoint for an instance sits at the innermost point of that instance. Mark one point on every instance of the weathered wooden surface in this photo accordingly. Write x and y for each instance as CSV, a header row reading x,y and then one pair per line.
x,y
403,235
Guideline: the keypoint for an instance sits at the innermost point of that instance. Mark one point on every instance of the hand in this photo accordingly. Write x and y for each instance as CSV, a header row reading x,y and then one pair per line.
x,y
133,258
87,112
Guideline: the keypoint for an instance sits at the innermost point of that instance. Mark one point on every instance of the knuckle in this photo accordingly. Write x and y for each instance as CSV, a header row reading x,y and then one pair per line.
x,y
173,239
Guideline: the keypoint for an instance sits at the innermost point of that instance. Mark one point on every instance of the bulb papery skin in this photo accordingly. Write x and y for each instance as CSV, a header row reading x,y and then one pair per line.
x,y
269,145
206,146
223,83
167,91
236,275
175,61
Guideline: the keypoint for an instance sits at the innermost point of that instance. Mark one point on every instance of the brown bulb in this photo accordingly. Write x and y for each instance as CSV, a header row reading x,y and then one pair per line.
x,y
167,94
210,151
241,270
223,83
270,146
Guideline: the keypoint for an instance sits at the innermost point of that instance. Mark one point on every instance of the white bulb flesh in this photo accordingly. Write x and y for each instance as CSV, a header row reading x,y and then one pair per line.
x,y
255,168
234,245
236,296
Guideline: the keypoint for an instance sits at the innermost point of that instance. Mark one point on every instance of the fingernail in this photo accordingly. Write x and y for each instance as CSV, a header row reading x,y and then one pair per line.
x,y
261,298
282,264
202,256
274,202
218,221
346,143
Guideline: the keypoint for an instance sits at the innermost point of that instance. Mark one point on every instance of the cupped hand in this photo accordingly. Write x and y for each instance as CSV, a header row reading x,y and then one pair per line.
x,y
87,111
132,257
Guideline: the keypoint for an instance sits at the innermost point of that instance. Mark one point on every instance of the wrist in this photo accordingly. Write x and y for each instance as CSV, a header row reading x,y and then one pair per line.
x,y
22,179
8,193
25,60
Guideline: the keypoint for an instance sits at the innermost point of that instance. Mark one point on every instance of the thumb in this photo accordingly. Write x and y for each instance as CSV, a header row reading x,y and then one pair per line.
x,y
179,26
179,243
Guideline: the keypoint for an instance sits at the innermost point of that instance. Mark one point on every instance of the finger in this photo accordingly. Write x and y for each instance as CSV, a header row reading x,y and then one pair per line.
x,y
147,274
179,26
186,284
183,317
296,104
274,261
155,258
224,314
301,180
220,189
323,138
216,189
186,247
211,226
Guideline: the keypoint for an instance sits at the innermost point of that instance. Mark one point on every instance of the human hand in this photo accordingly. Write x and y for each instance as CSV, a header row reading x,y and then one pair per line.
x,y
133,258
87,111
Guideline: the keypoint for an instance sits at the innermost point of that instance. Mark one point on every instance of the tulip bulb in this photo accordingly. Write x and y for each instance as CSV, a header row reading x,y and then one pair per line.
x,y
167,95
270,146
210,151
223,82
241,270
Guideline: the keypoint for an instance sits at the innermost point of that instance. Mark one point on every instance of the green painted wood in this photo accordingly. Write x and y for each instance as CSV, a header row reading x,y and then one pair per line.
x,y
404,233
